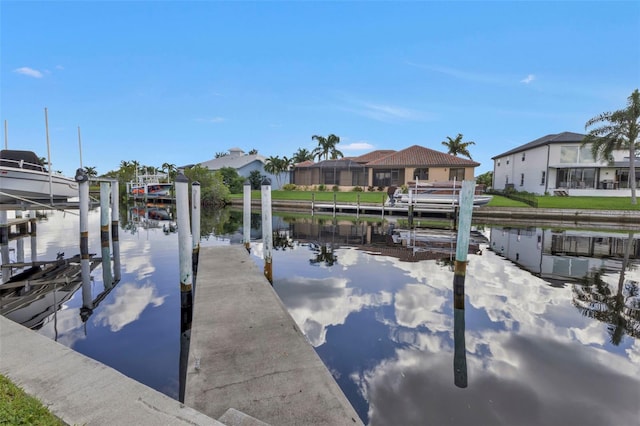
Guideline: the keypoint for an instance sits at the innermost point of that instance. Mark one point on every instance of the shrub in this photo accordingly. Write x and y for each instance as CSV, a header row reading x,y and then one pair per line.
x,y
289,187
322,187
380,188
370,188
357,189
335,188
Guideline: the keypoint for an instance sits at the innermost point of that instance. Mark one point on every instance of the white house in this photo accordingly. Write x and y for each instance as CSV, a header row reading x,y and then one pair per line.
x,y
245,164
557,164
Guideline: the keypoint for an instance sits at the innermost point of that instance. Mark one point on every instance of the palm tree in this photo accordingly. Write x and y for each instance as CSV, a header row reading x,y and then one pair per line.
x,y
327,147
253,151
301,155
277,166
456,146
91,171
618,130
170,169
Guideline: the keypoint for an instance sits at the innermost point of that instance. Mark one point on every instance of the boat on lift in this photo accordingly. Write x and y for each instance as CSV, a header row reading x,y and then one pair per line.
x,y
23,176
448,192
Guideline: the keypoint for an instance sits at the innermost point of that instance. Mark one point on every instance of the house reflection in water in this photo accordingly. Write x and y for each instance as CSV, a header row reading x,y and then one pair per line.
x,y
594,263
561,256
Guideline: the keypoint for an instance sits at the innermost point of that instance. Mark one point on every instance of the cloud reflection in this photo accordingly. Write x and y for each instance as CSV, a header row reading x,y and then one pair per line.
x,y
129,302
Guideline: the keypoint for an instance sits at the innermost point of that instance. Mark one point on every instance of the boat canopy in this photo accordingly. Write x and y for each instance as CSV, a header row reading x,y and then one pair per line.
x,y
20,160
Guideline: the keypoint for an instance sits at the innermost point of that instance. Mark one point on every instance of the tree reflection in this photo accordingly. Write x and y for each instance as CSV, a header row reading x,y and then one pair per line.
x,y
323,254
596,299
281,241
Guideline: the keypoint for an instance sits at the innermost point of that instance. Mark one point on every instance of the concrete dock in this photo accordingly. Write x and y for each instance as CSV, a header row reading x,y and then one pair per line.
x,y
82,391
247,353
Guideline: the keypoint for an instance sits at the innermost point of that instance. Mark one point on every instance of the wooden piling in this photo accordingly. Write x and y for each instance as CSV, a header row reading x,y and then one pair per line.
x,y
115,219
105,193
267,229
195,228
85,267
246,214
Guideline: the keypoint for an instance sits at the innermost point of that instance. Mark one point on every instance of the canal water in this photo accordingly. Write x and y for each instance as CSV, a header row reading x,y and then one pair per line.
x,y
550,333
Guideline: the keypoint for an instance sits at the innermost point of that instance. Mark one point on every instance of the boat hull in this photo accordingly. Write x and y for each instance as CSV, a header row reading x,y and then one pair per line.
x,y
34,185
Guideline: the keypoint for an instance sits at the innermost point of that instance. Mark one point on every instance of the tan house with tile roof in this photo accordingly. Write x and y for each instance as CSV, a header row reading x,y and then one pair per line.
x,y
384,168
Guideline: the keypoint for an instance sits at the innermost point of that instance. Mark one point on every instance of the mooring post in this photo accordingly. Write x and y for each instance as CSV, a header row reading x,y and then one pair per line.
x,y
334,203
184,239
313,202
195,228
22,232
105,194
357,205
115,225
85,266
383,207
186,274
32,232
267,225
464,213
246,214
4,245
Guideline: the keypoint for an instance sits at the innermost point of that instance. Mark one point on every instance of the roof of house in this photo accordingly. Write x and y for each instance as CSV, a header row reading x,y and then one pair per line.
x,y
421,157
306,163
341,163
237,159
373,155
563,137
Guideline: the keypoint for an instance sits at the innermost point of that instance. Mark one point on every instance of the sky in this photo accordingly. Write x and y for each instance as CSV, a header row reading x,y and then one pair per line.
x,y
177,82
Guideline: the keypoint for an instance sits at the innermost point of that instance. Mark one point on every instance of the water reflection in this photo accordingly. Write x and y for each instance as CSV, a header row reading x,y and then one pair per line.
x,y
377,304
387,329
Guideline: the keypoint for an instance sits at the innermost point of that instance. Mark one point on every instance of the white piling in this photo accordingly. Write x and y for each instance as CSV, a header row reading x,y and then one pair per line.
x,y
105,193
267,229
195,227
246,214
33,234
4,245
85,267
115,229
20,240
184,237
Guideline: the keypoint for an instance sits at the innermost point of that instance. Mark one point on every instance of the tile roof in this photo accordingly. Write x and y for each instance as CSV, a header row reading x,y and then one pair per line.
x,y
373,155
420,156
563,137
306,163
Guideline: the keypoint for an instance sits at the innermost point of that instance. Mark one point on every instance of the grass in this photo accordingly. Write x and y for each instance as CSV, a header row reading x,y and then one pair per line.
x,y
548,201
18,408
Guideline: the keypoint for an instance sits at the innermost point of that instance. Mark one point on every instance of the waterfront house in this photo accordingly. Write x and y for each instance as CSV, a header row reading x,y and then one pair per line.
x,y
558,164
384,168
244,165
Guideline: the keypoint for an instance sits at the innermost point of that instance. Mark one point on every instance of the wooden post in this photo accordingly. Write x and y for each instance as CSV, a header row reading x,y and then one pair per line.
x,y
267,226
85,267
246,214
460,349
4,245
33,234
115,225
313,202
195,227
358,206
334,204
186,274
105,193
22,231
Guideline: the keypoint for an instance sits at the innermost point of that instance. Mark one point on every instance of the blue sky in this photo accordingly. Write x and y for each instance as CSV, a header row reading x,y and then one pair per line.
x,y
178,82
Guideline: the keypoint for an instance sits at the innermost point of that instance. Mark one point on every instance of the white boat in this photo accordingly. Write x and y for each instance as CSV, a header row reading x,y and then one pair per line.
x,y
22,176
435,193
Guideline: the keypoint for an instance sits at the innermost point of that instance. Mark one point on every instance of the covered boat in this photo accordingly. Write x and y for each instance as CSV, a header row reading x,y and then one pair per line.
x,y
23,176
436,193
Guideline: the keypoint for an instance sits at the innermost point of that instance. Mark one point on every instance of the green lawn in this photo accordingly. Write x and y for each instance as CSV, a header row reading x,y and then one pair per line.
x,y
18,408
550,202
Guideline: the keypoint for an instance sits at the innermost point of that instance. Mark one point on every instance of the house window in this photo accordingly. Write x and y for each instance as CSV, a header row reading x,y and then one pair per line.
x,y
498,163
523,155
388,177
569,154
521,179
507,161
585,154
456,173
576,178
544,177
421,173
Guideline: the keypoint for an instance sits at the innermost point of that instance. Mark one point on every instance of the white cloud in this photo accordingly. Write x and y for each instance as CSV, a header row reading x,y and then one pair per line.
x,y
356,146
29,72
528,79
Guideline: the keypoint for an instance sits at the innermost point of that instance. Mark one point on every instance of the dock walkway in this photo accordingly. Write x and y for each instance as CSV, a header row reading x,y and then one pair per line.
x,y
247,353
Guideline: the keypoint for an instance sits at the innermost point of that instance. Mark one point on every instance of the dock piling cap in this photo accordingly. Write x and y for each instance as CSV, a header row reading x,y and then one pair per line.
x,y
81,175
181,177
266,181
